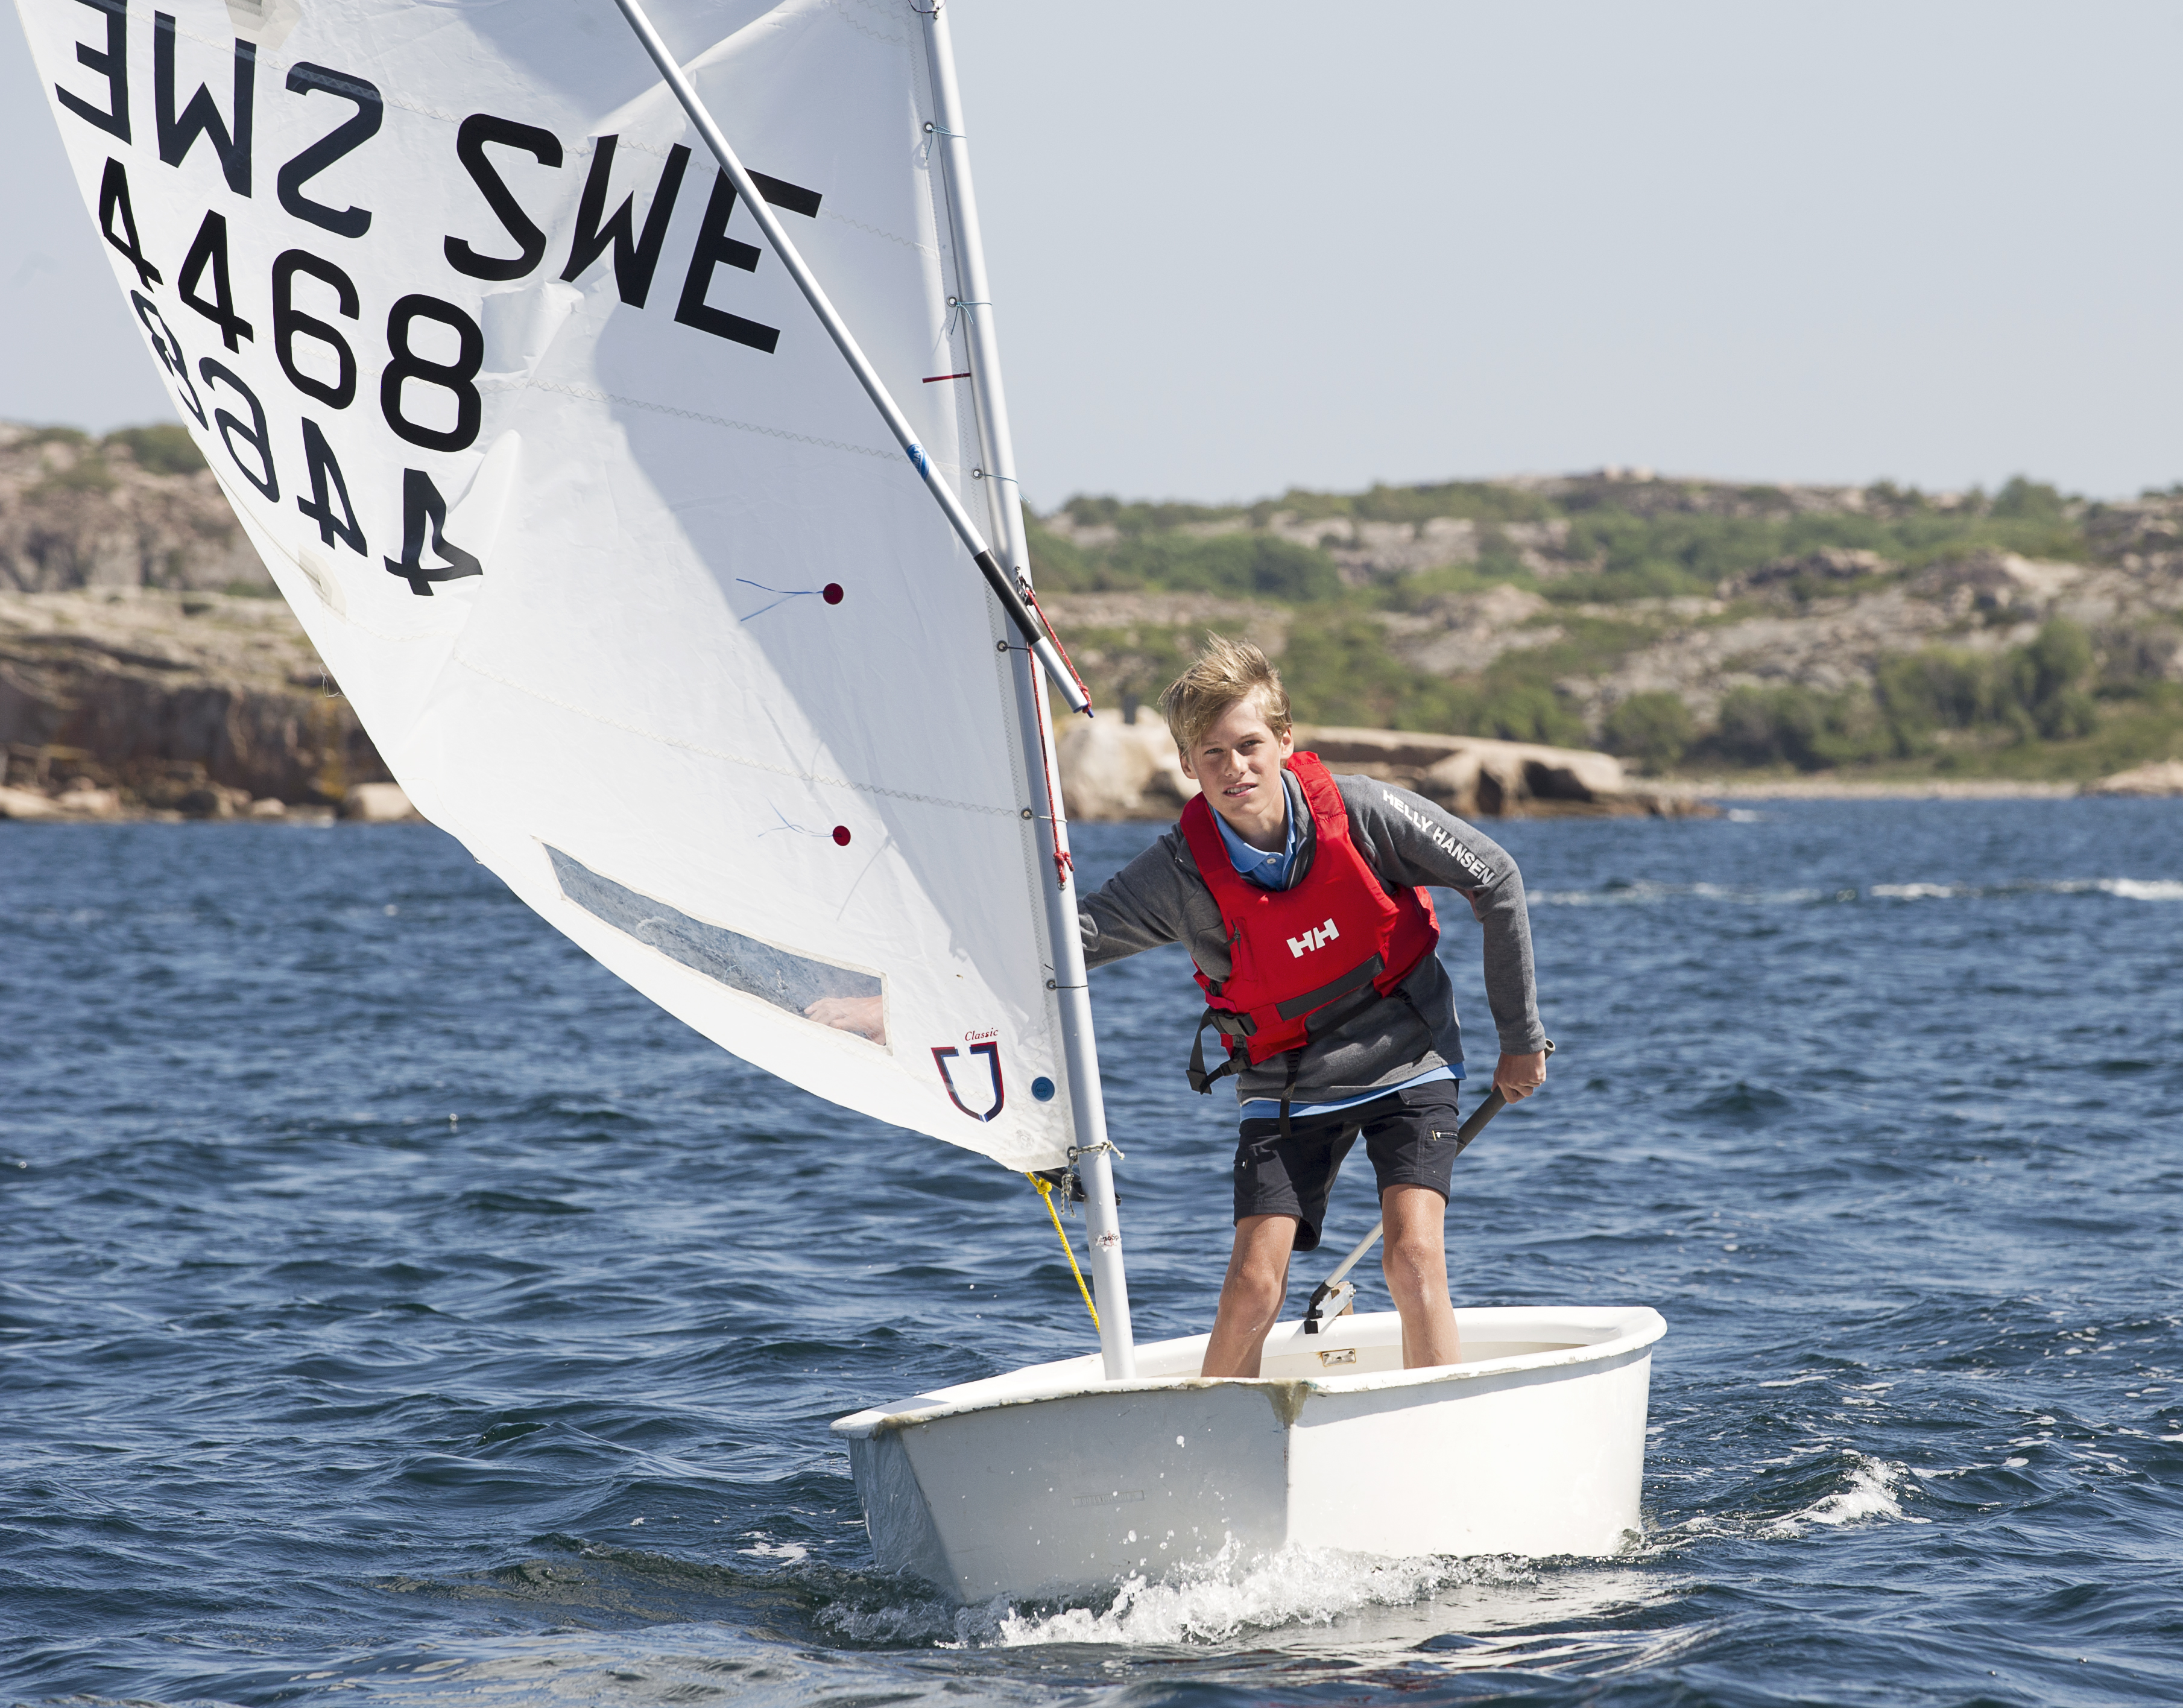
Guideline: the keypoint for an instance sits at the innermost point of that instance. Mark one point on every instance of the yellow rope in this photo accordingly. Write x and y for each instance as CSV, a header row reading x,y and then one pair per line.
x,y
1045,1191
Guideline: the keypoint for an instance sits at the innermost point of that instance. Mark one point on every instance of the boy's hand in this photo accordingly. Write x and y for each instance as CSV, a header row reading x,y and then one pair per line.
x,y
1519,1076
865,1015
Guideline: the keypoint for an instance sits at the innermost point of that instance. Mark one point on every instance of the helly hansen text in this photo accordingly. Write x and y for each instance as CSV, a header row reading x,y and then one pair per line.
x,y
1463,857
1317,938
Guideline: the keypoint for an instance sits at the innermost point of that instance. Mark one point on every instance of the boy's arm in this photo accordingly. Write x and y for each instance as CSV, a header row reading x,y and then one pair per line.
x,y
1408,840
1141,907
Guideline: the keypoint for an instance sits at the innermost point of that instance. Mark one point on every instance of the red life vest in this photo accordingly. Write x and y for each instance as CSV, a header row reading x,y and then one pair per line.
x,y
1297,953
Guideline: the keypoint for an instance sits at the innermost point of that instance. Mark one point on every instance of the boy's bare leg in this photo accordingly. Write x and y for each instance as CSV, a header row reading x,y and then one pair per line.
x,y
1251,1294
1415,1264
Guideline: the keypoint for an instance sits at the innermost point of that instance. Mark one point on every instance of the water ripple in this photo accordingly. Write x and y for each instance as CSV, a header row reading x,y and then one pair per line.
x,y
393,1304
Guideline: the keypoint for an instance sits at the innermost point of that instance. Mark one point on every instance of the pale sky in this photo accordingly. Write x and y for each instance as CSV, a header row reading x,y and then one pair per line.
x,y
1240,247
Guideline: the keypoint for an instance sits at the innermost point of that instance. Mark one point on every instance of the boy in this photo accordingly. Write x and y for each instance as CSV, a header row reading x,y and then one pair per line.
x,y
1299,895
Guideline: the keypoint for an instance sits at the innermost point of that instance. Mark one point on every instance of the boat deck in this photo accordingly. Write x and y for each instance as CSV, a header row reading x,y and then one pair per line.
x,y
1354,1352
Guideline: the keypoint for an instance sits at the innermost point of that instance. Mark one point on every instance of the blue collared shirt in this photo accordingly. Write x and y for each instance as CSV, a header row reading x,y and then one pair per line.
x,y
1267,871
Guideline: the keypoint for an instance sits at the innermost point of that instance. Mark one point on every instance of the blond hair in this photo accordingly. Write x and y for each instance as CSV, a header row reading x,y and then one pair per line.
x,y
1226,672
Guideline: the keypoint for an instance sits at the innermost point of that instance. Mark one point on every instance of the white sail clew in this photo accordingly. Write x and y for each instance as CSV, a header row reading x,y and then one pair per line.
x,y
617,563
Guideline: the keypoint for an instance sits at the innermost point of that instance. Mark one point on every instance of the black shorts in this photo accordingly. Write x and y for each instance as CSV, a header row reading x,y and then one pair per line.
x,y
1409,1135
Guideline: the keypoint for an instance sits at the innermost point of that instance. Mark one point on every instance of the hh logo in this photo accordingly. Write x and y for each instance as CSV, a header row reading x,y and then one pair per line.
x,y
991,1050
1317,938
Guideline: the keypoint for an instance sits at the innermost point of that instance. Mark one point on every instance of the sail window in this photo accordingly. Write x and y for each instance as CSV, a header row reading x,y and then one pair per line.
x,y
790,981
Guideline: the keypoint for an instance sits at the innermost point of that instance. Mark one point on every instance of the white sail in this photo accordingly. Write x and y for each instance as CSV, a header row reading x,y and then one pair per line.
x,y
617,564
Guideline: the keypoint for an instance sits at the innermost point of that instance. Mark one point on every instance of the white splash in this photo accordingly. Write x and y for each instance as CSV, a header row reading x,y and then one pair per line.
x,y
1226,1594
2124,888
1211,1601
1871,1494
2143,889
1241,1596
1646,892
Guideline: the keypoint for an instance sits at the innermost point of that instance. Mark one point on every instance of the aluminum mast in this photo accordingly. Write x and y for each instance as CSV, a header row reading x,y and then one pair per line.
x,y
1004,498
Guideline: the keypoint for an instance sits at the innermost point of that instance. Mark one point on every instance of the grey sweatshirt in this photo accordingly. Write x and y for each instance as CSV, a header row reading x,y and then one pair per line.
x,y
1159,897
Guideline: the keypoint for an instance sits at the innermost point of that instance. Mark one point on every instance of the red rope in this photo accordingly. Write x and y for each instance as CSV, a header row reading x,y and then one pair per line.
x,y
1030,598
1062,865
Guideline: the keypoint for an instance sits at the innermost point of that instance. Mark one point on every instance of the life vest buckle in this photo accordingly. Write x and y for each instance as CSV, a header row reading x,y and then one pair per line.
x,y
1232,1027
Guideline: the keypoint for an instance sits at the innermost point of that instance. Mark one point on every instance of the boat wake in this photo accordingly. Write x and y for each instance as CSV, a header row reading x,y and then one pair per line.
x,y
1226,1596
1211,1601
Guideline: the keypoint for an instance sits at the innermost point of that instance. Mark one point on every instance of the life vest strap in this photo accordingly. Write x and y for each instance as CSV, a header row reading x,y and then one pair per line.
x,y
1326,1009
1229,1026
1362,974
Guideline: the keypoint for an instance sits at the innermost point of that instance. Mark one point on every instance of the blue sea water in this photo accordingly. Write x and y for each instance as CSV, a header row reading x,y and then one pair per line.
x,y
393,1307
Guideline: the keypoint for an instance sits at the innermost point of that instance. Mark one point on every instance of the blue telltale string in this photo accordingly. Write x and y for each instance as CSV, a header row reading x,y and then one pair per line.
x,y
786,826
785,597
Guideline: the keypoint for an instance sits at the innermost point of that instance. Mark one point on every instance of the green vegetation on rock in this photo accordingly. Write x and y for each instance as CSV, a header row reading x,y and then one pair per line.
x,y
164,449
87,474
81,464
1677,623
1655,729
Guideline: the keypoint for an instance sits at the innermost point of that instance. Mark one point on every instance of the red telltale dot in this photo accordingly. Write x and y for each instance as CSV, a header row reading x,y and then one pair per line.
x,y
841,835
832,593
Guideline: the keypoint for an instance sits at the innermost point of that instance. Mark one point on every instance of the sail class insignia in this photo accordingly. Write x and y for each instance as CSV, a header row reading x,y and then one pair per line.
x,y
942,1055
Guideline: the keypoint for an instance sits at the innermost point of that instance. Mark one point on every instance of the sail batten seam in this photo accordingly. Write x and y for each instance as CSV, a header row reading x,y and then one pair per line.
x,y
590,396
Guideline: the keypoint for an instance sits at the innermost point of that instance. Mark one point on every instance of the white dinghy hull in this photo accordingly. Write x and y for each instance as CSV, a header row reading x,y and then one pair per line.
x,y
1048,1479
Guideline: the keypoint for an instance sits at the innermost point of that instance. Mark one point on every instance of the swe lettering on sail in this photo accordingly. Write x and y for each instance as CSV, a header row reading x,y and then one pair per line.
x,y
307,311
182,123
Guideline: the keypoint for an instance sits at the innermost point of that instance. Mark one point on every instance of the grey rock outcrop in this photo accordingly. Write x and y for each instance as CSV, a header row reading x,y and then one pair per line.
x,y
193,703
1458,633
1474,776
1827,564
1364,551
2163,778
1370,551
1112,770
379,803
75,512
27,803
1986,603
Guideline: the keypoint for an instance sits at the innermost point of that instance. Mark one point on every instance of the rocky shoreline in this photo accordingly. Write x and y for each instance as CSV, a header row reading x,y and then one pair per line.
x,y
2160,779
365,803
153,704
1825,788
1113,768
136,702
148,670
137,508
